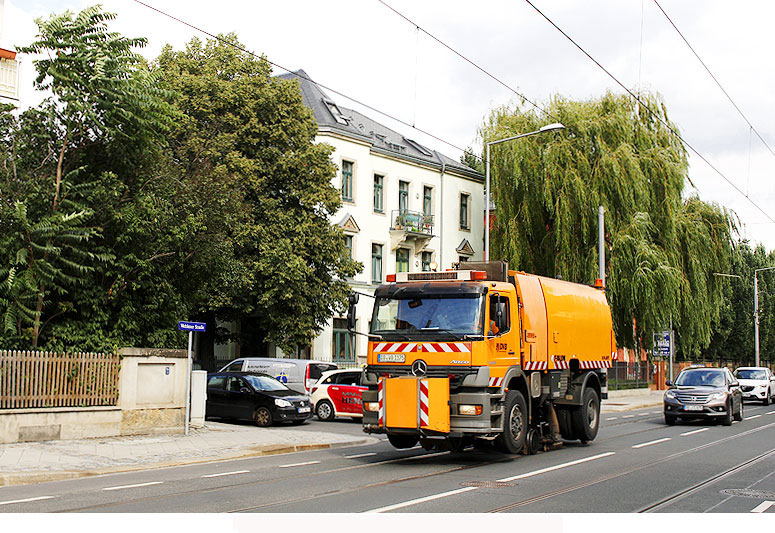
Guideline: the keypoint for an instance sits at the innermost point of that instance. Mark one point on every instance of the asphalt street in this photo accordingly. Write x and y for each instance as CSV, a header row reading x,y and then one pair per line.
x,y
636,464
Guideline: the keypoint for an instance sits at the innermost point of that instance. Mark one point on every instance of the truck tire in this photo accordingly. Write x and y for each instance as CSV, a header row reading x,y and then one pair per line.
x,y
403,441
564,421
512,440
586,419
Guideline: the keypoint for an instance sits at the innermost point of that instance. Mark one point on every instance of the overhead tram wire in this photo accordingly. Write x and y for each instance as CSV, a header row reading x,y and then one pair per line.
x,y
714,79
334,91
469,61
653,114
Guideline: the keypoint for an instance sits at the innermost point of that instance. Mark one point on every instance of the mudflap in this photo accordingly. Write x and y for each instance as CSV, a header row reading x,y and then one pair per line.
x,y
418,403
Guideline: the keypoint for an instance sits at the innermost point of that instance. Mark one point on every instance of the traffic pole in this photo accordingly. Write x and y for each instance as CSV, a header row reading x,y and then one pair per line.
x,y
188,379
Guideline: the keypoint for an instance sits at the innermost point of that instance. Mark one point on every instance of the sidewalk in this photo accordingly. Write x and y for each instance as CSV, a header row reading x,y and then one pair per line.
x,y
35,462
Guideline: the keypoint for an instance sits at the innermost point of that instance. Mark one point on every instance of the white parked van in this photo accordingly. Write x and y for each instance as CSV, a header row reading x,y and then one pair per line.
x,y
297,374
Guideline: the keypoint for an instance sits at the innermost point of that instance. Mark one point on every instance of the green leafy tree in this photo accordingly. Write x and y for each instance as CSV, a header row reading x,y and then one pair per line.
x,y
662,249
282,265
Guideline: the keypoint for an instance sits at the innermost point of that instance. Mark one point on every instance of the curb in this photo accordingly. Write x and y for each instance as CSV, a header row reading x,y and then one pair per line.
x,y
26,478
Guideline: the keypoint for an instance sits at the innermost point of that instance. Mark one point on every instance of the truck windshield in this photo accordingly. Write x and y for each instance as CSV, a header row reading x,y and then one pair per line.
x,y
428,315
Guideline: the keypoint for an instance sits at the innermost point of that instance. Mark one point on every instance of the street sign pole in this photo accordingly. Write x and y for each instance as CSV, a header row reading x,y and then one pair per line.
x,y
188,380
191,327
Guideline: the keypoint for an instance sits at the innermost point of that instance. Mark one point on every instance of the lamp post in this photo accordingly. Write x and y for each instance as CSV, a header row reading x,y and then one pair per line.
x,y
544,129
756,309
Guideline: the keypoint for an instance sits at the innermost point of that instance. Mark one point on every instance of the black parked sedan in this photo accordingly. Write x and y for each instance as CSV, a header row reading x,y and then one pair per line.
x,y
257,397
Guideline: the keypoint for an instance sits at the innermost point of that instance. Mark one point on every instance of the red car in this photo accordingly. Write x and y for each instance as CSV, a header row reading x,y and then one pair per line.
x,y
338,393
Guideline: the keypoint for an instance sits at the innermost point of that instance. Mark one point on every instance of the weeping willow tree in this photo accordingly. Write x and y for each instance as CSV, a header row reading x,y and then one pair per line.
x,y
662,247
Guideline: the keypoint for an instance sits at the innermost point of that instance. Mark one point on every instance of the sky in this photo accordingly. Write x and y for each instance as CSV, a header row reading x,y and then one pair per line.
x,y
363,49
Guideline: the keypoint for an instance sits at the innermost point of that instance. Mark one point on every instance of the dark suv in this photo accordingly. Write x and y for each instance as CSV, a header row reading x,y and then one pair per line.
x,y
711,393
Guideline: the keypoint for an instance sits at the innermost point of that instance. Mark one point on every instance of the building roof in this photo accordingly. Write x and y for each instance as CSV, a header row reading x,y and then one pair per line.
x,y
331,117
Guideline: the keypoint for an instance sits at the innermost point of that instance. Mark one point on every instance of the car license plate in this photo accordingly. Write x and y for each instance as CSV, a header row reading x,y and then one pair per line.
x,y
304,409
391,358
692,408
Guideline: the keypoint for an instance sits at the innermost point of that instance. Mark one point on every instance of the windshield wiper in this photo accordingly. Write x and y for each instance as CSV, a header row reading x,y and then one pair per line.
x,y
456,336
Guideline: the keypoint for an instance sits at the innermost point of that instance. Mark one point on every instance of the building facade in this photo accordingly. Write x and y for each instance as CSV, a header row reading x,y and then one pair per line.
x,y
405,207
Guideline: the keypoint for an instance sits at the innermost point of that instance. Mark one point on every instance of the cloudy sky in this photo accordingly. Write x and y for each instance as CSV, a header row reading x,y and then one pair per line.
x,y
365,50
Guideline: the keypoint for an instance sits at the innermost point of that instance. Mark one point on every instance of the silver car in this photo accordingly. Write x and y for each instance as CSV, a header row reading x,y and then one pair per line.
x,y
709,393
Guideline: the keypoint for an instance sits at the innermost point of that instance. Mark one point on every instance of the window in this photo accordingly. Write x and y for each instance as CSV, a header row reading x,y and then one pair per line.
x,y
402,260
342,342
376,263
347,181
217,382
427,201
462,259
427,258
403,195
379,182
236,366
498,302
348,243
465,200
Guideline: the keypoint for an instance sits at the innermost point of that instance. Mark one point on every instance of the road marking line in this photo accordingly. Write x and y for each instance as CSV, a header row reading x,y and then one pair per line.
x,y
299,464
751,417
133,486
228,473
644,414
762,507
27,500
770,413
629,416
693,432
359,455
556,467
651,442
612,418
421,500
467,489
656,412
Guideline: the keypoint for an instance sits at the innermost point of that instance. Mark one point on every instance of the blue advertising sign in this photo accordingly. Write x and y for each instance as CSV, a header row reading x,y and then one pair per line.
x,y
192,326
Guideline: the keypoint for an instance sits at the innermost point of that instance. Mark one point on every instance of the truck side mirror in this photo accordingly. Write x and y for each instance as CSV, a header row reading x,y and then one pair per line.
x,y
353,300
500,316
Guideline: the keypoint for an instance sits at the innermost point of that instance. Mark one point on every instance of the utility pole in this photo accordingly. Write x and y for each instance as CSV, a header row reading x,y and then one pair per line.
x,y
756,310
601,243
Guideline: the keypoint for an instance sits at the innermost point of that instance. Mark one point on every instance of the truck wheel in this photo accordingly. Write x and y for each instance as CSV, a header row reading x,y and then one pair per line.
x,y
532,442
512,440
586,419
403,441
325,411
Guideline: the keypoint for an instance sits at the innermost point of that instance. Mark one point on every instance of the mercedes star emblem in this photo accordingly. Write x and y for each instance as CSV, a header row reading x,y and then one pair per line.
x,y
419,368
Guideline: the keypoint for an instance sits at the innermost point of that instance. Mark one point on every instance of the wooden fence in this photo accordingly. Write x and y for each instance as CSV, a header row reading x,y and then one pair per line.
x,y
47,379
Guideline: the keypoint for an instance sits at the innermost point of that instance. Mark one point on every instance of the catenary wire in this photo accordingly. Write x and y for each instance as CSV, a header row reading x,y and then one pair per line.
x,y
715,79
334,91
653,114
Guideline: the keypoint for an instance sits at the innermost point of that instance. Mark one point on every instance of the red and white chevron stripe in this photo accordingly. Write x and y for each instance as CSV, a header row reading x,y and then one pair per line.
x,y
584,365
496,382
381,400
424,417
536,365
432,347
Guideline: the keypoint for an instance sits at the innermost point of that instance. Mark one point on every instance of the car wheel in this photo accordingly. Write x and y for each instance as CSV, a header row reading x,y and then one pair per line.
x,y
670,420
262,417
766,400
586,419
739,414
325,411
403,441
727,420
512,440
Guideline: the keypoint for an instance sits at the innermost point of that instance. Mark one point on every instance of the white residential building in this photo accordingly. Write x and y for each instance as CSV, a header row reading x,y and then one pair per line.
x,y
405,207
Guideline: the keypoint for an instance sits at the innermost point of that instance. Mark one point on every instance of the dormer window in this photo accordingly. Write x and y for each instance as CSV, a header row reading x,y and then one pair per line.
x,y
335,112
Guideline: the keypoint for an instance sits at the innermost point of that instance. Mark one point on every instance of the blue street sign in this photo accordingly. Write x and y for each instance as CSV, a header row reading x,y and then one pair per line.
x,y
192,326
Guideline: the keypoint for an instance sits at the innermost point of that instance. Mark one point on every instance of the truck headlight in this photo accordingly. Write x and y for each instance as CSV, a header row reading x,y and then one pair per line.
x,y
282,403
471,410
372,407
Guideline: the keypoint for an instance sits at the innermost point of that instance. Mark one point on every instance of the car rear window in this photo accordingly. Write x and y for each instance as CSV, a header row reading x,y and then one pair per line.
x,y
751,374
316,370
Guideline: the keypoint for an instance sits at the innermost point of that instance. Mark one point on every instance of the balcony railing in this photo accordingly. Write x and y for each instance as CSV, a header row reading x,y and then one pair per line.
x,y
412,221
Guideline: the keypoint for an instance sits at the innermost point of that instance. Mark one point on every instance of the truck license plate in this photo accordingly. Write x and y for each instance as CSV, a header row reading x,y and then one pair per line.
x,y
391,358
692,408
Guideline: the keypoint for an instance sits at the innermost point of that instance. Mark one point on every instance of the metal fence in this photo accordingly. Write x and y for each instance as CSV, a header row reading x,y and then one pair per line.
x,y
47,379
624,375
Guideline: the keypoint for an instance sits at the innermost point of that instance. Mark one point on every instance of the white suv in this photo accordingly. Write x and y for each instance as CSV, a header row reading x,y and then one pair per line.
x,y
757,383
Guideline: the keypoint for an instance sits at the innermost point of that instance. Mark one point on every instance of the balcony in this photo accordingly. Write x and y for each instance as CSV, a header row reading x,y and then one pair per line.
x,y
410,226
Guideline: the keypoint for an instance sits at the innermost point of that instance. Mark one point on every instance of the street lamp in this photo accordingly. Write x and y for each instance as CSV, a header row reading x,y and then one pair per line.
x,y
544,129
756,308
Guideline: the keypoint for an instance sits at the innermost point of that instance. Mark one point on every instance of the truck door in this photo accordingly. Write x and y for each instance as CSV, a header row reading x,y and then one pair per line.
x,y
502,328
